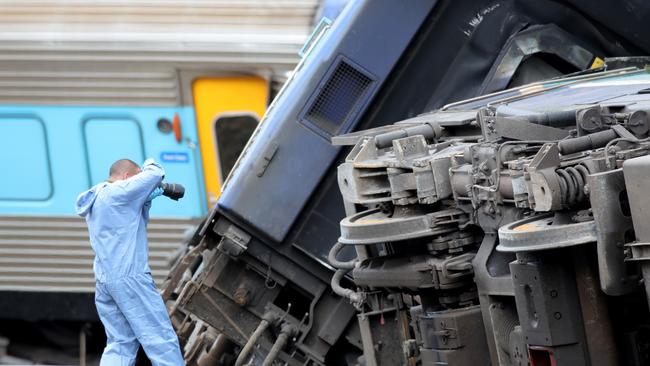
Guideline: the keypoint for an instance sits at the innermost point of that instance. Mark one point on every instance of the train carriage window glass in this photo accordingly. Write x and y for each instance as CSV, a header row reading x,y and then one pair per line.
x,y
232,132
25,157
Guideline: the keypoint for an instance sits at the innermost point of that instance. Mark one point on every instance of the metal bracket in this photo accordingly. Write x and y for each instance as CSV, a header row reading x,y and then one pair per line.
x,y
234,241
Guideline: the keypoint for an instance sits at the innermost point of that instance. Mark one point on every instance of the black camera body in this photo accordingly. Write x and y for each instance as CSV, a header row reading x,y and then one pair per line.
x,y
174,191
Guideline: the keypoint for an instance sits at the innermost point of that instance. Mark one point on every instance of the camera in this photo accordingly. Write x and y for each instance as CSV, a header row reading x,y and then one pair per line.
x,y
174,191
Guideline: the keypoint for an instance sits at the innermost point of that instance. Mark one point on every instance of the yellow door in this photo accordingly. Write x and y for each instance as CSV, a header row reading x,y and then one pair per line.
x,y
227,110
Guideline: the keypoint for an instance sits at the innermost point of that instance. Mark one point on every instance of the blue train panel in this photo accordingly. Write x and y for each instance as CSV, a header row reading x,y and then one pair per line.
x,y
51,153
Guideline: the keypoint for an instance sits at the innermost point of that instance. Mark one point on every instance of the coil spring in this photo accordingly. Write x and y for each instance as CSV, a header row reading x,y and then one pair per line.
x,y
572,183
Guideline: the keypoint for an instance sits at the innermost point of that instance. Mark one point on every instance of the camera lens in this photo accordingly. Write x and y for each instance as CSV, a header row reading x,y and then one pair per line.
x,y
173,190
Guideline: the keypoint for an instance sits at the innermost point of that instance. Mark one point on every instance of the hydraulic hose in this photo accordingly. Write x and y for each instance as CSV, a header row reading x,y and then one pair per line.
x,y
355,297
277,347
217,349
331,257
248,347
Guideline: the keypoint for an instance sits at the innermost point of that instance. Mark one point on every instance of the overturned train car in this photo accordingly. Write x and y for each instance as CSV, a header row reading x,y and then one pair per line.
x,y
505,229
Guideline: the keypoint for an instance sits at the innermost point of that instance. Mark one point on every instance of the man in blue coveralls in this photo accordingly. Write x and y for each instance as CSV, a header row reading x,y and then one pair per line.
x,y
128,303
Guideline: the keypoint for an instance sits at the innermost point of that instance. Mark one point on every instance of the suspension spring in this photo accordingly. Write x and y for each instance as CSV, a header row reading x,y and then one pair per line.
x,y
572,183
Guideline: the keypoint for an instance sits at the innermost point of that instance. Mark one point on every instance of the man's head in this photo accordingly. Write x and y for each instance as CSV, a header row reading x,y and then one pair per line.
x,y
123,169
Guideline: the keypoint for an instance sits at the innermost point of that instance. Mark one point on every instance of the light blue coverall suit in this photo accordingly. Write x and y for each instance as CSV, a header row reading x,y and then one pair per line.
x,y
128,303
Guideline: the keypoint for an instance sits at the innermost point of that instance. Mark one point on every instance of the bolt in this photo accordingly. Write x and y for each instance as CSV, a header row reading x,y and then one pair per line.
x,y
557,315
553,293
241,296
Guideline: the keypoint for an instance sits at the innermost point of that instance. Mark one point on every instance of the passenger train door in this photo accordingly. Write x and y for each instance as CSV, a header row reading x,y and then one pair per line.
x,y
227,110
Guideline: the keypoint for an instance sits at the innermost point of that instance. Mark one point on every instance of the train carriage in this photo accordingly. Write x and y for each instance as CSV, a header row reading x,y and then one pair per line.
x,y
85,83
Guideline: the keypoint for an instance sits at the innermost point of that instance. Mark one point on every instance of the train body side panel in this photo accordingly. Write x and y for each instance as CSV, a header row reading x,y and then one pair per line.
x,y
54,153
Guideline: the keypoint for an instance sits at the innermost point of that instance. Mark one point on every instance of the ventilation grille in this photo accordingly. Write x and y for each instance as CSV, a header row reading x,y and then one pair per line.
x,y
339,101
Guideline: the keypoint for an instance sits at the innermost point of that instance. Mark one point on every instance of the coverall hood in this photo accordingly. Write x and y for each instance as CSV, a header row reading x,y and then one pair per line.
x,y
86,199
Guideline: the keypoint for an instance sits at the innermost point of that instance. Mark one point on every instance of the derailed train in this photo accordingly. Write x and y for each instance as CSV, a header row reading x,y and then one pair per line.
x,y
505,229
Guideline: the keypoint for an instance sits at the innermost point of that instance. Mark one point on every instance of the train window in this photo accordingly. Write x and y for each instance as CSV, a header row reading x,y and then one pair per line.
x,y
108,139
232,132
24,158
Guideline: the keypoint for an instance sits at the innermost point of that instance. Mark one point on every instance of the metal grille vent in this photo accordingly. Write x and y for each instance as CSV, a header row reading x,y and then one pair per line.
x,y
339,99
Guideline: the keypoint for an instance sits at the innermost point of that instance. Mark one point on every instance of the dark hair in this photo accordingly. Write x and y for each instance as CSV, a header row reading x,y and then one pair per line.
x,y
123,166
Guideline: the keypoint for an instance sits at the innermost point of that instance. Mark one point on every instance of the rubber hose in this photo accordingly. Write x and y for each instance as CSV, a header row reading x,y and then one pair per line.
x,y
344,292
248,347
331,257
275,350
